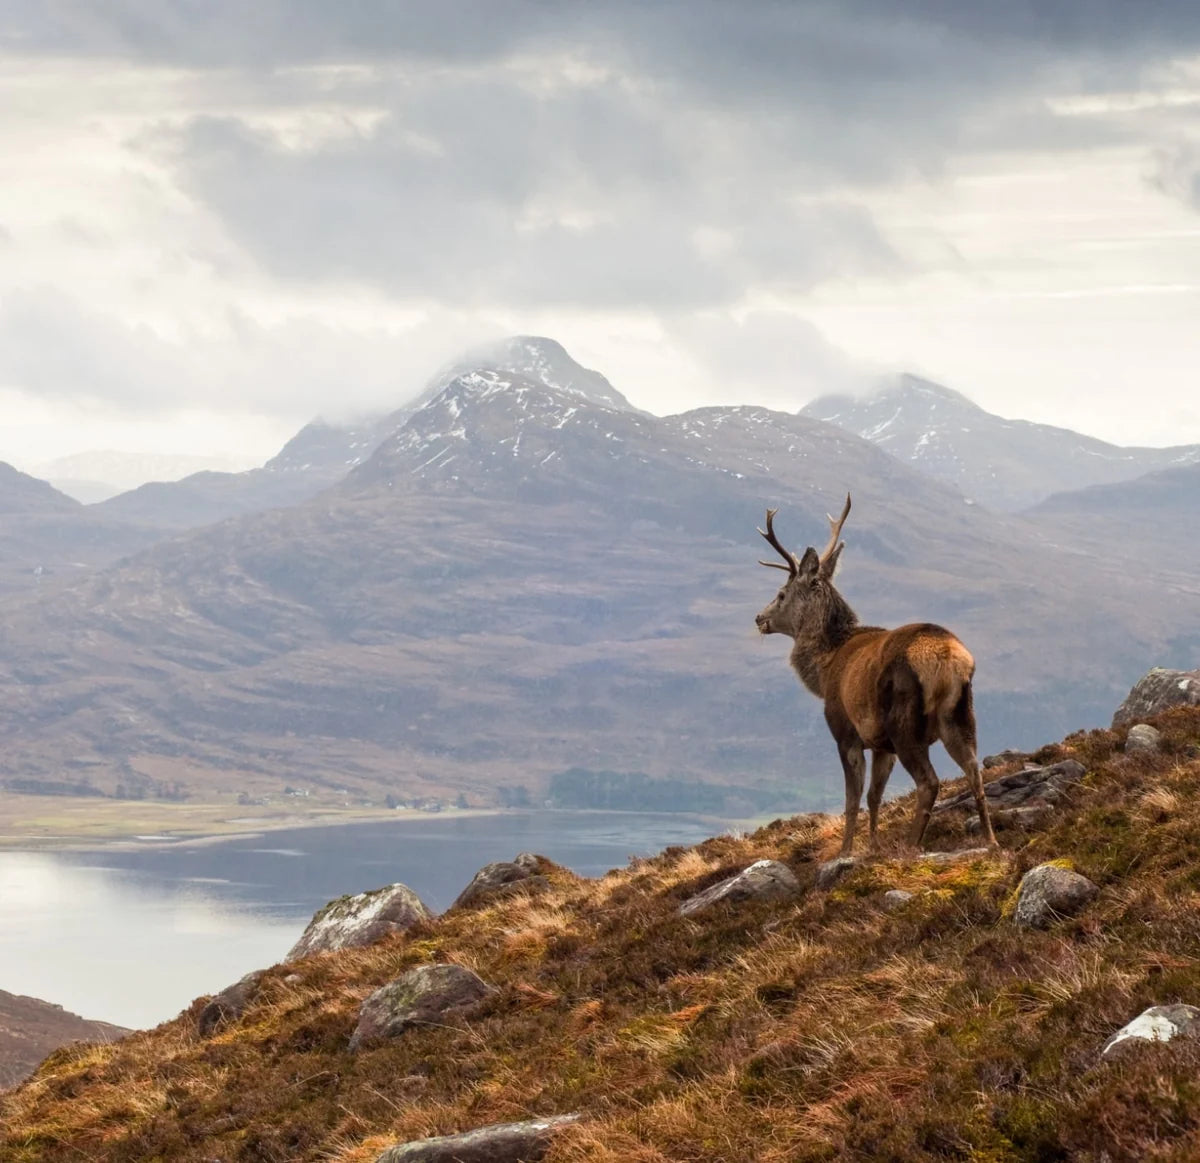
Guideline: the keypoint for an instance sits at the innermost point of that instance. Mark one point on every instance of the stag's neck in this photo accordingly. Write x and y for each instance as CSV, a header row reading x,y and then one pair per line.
x,y
816,645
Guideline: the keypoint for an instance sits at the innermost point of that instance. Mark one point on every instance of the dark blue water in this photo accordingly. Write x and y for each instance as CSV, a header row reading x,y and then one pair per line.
x,y
132,935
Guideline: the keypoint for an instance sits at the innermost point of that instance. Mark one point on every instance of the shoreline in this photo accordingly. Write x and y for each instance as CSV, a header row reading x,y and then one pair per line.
x,y
220,827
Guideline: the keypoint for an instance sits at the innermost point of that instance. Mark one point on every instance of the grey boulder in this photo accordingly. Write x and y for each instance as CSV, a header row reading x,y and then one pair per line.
x,y
895,899
229,1004
501,1143
765,880
1157,1024
427,996
829,873
502,878
1159,690
1143,737
363,919
1049,892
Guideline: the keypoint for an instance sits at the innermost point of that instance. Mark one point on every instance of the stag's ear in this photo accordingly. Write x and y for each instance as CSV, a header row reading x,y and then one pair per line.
x,y
810,565
829,566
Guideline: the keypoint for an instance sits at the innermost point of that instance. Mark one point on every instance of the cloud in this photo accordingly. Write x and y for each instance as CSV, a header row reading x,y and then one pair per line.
x,y
773,358
53,347
1176,172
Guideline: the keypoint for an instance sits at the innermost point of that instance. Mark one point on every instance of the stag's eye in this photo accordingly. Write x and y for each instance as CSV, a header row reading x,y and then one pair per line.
x,y
779,596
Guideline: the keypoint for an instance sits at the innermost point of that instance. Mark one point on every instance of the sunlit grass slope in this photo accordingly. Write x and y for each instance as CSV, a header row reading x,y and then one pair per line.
x,y
822,1029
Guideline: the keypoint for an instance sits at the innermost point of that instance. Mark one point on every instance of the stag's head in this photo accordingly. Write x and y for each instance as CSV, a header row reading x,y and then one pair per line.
x,y
806,594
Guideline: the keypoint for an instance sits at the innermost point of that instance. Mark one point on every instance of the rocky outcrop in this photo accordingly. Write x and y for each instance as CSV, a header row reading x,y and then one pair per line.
x,y
1034,787
1159,691
1048,892
1157,1024
895,899
502,878
958,856
765,880
502,1143
363,919
1142,737
1026,816
429,995
829,873
229,1004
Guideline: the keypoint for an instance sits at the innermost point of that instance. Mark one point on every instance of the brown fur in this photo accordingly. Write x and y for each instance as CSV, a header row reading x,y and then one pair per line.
x,y
892,692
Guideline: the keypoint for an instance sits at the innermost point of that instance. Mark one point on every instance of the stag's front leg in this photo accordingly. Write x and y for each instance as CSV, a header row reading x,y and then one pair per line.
x,y
854,767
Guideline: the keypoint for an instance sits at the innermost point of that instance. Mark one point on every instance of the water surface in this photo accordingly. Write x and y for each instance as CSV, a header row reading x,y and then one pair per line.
x,y
131,936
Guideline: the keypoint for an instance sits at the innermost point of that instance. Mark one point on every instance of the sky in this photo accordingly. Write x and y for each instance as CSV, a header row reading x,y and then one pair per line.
x,y
218,220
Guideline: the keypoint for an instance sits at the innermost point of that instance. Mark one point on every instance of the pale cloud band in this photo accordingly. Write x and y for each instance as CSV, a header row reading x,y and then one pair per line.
x,y
285,208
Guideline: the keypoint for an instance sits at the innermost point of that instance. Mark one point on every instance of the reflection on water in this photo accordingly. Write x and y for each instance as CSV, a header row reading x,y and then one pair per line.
x,y
133,936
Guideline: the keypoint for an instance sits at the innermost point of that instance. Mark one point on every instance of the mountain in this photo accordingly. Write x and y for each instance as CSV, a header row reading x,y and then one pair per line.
x,y
31,1029
99,474
323,452
1006,465
903,1015
521,582
46,536
1153,522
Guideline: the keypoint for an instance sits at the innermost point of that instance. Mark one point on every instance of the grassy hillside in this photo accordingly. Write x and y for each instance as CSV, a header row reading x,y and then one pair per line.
x,y
827,1028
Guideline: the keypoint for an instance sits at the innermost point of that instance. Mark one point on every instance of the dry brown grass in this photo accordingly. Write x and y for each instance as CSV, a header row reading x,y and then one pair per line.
x,y
823,1029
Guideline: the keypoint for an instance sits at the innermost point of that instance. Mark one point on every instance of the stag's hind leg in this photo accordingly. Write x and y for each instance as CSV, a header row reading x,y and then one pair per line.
x,y
909,730
882,763
915,759
854,766
957,729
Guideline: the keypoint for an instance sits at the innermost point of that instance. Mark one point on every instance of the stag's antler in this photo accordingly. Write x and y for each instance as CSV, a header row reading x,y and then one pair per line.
x,y
833,548
792,565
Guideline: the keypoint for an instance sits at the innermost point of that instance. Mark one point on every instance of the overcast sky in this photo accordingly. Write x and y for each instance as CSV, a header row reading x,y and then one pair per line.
x,y
219,219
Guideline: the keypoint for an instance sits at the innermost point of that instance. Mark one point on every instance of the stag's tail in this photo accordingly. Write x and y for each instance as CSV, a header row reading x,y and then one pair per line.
x,y
944,667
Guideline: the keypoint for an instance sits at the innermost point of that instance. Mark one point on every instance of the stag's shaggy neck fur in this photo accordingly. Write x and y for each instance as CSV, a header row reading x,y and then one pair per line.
x,y
827,623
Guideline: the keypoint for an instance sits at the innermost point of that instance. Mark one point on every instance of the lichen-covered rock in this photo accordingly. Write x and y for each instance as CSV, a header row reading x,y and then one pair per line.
x,y
1049,892
1003,758
502,1143
1157,1024
1033,785
958,856
1032,815
895,899
229,1004
766,880
1143,737
829,873
428,995
1158,691
502,878
363,919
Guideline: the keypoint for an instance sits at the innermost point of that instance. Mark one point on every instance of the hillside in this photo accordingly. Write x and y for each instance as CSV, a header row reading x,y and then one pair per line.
x,y
834,1025
1004,464
1155,518
30,1029
47,537
521,581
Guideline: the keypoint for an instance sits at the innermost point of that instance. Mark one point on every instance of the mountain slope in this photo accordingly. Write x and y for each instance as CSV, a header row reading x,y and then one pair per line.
x,y
46,536
519,582
829,1026
1152,522
1004,464
30,1029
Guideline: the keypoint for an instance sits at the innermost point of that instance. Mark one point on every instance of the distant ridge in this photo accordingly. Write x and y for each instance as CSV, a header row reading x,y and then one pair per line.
x,y
1006,465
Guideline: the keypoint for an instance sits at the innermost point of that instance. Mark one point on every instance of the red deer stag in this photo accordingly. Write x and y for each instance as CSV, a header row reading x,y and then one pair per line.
x,y
894,692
